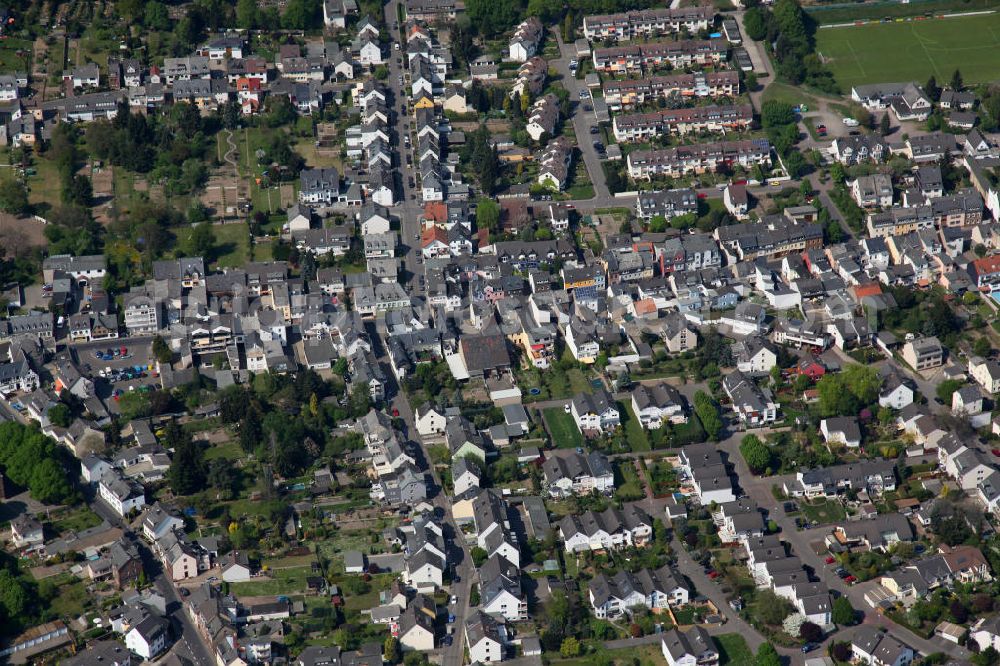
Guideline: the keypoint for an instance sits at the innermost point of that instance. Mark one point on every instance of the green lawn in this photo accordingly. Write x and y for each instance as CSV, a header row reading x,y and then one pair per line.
x,y
10,59
823,512
638,437
227,451
232,245
733,649
562,427
76,521
280,581
628,484
913,50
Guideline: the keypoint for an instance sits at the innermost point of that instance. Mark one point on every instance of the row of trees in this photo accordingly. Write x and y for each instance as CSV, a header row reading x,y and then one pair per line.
x,y
791,32
34,461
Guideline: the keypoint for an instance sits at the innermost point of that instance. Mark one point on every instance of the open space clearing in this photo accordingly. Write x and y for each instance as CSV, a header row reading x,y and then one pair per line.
x,y
913,50
562,427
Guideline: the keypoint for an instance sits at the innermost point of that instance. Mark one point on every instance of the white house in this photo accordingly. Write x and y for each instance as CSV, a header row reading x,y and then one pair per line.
x,y
430,420
486,638
121,494
986,633
425,571
148,638
841,430
693,647
871,646
595,412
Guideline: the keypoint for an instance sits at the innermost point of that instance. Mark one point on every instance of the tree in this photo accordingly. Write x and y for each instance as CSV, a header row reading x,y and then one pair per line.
x,y
946,389
478,555
246,14
841,651
767,656
811,633
932,89
774,113
487,214
708,414
200,240
187,474
988,657
390,650
755,23
161,350
956,81
843,612
982,347
13,597
756,453
13,197
60,415
883,125
156,16
959,611
570,647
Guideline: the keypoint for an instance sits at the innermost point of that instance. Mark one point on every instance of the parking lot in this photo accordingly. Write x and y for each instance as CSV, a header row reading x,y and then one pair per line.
x,y
138,353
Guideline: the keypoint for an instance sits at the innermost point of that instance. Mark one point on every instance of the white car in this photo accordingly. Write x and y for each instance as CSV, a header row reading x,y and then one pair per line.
x,y
567,408
453,600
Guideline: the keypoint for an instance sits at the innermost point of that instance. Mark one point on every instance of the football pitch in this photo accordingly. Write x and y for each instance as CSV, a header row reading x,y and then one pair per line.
x,y
913,50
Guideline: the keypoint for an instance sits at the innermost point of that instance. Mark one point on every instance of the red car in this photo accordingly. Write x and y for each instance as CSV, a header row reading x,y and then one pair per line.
x,y
395,412
712,575
830,560
850,580
996,452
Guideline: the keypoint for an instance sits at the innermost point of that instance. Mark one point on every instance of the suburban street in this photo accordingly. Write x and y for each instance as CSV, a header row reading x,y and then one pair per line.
x,y
408,211
450,655
582,121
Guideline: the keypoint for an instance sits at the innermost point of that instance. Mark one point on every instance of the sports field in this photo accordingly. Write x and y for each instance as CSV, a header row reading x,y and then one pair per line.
x,y
914,50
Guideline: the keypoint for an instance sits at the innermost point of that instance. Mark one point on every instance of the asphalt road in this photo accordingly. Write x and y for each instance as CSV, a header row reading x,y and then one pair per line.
x,y
188,642
459,551
408,210
582,120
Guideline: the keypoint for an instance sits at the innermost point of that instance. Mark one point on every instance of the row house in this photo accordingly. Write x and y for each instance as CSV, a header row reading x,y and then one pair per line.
x,y
668,203
647,23
679,54
697,158
530,78
627,94
554,164
543,116
612,529
655,590
524,42
641,127
568,473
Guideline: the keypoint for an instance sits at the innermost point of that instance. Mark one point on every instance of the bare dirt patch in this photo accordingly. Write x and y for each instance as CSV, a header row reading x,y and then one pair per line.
x,y
19,234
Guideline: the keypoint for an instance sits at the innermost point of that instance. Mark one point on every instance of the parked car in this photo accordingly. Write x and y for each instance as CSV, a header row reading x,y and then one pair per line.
x,y
850,580
809,647
594,130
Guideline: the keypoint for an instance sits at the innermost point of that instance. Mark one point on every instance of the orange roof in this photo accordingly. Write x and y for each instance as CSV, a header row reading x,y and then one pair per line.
x,y
436,211
432,234
870,289
645,306
987,264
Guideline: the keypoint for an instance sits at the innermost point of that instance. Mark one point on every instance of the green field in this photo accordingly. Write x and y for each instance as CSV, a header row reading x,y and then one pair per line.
x,y
913,50
733,650
562,427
